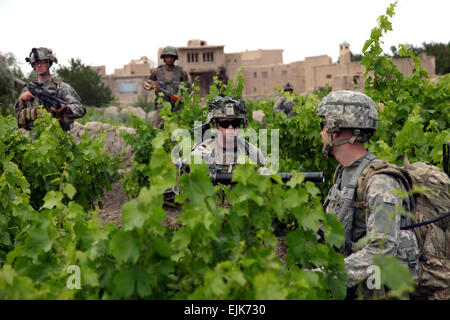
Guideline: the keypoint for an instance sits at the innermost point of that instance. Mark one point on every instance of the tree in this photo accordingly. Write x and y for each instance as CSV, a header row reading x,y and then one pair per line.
x,y
355,57
11,80
440,51
87,83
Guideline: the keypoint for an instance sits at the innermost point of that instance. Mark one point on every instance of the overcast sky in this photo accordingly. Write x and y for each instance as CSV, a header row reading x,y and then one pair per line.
x,y
112,33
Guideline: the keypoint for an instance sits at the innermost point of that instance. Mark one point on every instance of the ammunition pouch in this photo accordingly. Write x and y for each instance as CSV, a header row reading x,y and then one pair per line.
x,y
26,115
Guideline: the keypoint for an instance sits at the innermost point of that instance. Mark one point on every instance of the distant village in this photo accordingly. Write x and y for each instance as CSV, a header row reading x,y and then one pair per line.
x,y
263,71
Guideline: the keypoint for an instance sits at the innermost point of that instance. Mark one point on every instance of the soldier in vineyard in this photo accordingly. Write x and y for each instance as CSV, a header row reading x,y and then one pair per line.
x,y
282,105
349,119
51,88
225,150
168,77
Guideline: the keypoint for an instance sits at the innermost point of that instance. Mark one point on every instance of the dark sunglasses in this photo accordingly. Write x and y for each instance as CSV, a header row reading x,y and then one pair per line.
x,y
322,124
226,123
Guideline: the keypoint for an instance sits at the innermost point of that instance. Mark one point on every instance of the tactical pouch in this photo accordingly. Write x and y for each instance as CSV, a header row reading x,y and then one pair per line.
x,y
27,114
22,119
34,114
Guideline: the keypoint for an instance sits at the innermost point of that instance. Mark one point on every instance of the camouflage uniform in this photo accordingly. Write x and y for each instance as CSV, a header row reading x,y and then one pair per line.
x,y
169,80
353,110
64,92
281,105
224,159
215,155
29,111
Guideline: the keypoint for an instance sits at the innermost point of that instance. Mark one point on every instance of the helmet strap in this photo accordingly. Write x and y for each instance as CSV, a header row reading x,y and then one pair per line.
x,y
335,143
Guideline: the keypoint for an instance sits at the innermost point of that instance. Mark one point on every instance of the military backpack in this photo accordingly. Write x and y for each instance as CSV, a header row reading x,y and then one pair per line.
x,y
431,209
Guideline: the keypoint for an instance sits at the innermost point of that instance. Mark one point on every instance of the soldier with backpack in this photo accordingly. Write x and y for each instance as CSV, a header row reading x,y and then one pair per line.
x,y
362,197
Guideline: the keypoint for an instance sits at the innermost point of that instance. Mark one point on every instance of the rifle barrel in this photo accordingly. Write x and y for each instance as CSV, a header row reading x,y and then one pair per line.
x,y
226,177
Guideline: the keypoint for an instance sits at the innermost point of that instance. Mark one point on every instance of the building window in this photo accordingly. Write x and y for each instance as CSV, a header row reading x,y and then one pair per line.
x,y
254,90
127,87
208,56
193,57
283,73
264,74
254,74
328,76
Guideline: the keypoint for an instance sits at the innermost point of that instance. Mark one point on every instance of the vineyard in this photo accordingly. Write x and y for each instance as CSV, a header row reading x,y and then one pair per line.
x,y
255,240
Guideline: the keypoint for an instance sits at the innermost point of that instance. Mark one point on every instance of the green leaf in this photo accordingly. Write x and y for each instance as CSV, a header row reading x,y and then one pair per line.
x,y
269,287
53,199
395,275
161,246
133,215
40,239
334,231
308,217
69,190
268,238
124,283
124,246
181,238
337,287
143,282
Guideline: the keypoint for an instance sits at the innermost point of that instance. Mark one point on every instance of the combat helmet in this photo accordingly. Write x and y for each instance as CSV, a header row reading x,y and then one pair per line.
x,y
41,53
227,107
169,51
288,87
348,110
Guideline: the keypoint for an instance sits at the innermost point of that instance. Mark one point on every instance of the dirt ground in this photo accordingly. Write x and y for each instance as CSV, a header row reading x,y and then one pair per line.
x,y
112,211
114,200
112,204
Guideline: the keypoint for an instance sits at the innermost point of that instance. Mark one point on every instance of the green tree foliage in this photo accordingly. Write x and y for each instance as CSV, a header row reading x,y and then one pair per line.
x,y
440,51
86,82
10,76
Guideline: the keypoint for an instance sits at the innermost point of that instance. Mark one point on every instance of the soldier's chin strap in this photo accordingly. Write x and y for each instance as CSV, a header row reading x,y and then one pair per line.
x,y
334,143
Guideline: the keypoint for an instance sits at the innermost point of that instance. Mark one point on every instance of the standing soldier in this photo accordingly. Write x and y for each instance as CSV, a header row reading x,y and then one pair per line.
x,y
227,115
167,78
286,106
350,119
67,106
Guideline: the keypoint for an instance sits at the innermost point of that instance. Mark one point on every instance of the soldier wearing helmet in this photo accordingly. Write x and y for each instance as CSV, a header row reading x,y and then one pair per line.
x,y
26,107
225,150
349,119
168,77
286,101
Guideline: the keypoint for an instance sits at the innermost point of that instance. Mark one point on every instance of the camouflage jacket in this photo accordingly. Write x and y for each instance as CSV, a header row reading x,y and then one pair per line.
x,y
373,217
64,92
281,105
169,80
216,156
